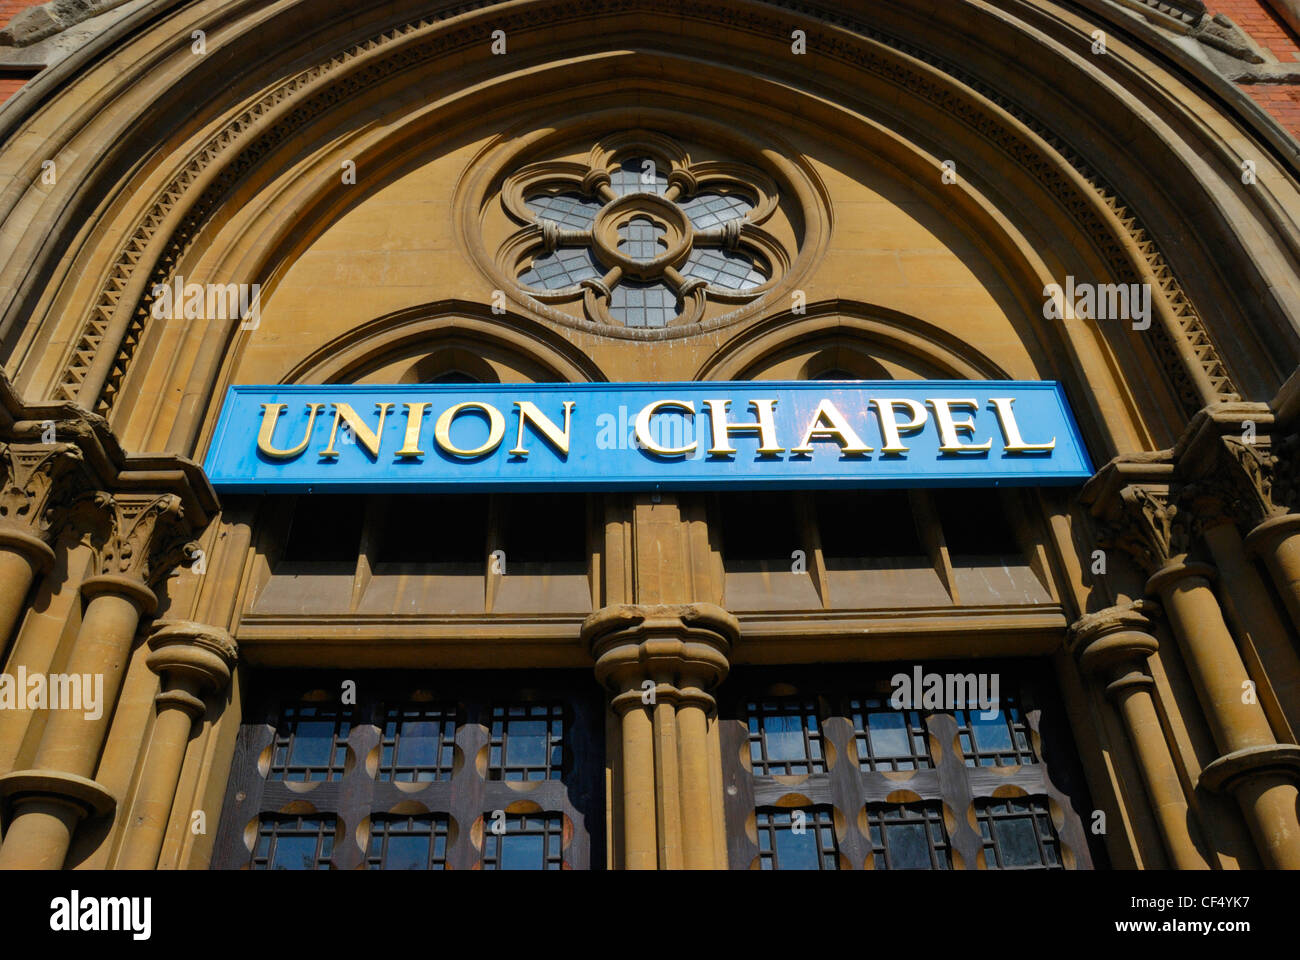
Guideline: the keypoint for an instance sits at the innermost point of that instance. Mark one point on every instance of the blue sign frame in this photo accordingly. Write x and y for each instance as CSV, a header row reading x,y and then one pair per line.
x,y
346,450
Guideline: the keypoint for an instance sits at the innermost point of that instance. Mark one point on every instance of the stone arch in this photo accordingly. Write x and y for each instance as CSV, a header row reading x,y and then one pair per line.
x,y
852,335
465,332
210,196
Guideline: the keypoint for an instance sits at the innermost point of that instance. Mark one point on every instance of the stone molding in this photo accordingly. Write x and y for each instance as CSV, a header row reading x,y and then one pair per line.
x,y
198,655
102,351
682,648
1116,636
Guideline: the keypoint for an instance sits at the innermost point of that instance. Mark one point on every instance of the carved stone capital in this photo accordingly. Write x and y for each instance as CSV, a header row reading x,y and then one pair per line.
x,y
38,482
1149,525
1243,481
1119,636
141,536
194,655
682,648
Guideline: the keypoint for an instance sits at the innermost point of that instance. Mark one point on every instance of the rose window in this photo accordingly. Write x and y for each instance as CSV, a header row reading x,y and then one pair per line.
x,y
642,236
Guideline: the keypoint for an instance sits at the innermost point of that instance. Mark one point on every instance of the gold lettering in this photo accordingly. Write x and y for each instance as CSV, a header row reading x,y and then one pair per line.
x,y
364,435
891,429
837,428
765,426
496,429
949,428
414,420
270,417
528,411
1011,429
643,428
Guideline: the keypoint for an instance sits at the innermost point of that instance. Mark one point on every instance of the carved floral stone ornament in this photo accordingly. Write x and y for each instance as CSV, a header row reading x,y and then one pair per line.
x,y
641,234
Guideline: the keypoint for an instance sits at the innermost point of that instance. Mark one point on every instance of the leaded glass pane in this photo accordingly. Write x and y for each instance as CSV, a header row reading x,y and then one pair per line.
x,y
728,269
561,268
1001,740
643,304
1018,834
289,842
888,738
528,842
639,239
908,836
638,175
708,210
310,743
418,743
527,742
570,210
799,839
785,737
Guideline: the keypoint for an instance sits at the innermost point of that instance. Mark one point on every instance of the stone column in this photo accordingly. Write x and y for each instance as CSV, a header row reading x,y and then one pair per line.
x,y
192,659
1260,773
1253,615
661,663
1262,478
1112,647
38,481
47,802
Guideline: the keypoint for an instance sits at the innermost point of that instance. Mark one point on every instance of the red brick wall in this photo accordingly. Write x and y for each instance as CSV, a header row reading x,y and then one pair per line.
x,y
9,85
1257,18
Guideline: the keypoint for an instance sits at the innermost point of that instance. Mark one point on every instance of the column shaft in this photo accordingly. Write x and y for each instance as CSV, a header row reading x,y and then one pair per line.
x,y
1136,706
41,827
71,742
1278,544
1238,723
1215,664
1252,609
18,569
157,787
697,811
640,843
666,774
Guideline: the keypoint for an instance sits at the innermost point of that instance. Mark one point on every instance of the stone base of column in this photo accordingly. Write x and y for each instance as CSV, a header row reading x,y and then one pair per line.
x,y
48,804
1263,780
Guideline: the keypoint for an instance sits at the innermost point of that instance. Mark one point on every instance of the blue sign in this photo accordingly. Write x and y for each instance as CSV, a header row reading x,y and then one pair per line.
x,y
645,436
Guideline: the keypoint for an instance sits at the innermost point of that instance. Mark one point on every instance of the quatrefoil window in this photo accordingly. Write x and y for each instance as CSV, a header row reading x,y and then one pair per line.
x,y
642,235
